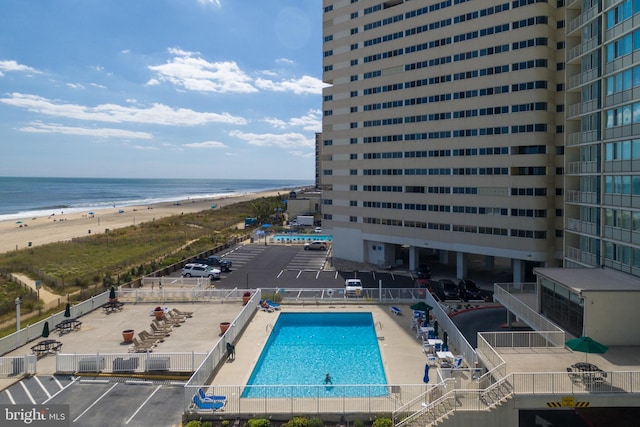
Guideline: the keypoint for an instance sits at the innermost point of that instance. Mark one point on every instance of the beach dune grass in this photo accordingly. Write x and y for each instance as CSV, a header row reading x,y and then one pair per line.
x,y
100,260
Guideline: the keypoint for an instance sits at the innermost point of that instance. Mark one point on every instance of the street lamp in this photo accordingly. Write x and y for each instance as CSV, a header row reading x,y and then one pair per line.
x,y
18,301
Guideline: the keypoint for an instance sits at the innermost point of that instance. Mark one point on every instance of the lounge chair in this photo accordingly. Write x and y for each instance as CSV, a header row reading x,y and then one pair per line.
x,y
207,404
457,362
213,397
141,347
274,305
161,326
396,311
266,307
172,319
182,313
146,336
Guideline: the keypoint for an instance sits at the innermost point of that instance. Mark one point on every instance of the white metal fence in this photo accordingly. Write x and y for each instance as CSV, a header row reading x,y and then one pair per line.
x,y
129,362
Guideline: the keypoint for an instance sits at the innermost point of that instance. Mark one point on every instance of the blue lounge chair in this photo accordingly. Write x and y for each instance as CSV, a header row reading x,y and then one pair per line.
x,y
396,311
211,397
207,404
273,305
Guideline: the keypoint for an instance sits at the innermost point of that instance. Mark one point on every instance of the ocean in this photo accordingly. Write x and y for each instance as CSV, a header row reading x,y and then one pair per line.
x,y
32,197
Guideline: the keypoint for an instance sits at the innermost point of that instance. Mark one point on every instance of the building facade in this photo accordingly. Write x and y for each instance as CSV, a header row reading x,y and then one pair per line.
x,y
443,131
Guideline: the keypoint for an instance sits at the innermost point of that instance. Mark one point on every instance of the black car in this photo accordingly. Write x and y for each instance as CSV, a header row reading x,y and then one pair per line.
x,y
215,261
423,272
469,290
448,290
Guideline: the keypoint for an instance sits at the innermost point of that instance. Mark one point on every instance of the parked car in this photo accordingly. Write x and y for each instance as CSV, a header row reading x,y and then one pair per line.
x,y
317,245
317,230
448,290
469,290
423,286
200,270
423,272
353,287
216,262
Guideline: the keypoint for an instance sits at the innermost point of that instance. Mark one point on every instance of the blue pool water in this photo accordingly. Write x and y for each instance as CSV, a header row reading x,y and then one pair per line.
x,y
303,347
302,237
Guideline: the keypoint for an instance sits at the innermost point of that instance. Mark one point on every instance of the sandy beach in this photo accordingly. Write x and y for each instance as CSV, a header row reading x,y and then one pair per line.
x,y
62,226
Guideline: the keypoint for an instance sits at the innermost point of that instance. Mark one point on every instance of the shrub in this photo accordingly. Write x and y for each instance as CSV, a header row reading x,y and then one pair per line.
x,y
315,422
298,422
258,422
207,424
193,423
225,423
383,422
358,423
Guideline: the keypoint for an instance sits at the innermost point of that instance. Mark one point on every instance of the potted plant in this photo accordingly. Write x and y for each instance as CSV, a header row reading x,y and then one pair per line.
x,y
224,326
158,312
127,335
246,297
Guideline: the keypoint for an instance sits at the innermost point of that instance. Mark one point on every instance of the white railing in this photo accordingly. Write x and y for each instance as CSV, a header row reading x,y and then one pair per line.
x,y
18,366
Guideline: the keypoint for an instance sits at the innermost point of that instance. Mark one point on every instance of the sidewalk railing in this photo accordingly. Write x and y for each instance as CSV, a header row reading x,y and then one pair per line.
x,y
115,363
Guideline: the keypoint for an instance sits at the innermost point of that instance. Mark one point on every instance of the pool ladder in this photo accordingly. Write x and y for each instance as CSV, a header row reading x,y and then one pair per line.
x,y
269,327
378,325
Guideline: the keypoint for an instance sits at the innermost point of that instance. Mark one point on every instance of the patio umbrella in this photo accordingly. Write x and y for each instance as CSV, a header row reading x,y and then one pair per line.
x,y
435,328
67,310
45,330
18,222
421,306
112,293
445,341
586,345
426,373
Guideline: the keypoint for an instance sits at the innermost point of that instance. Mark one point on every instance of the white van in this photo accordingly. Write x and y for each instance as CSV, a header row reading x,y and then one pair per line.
x,y
353,287
200,270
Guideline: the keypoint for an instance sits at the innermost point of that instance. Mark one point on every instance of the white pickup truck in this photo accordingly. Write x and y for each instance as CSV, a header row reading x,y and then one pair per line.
x,y
353,287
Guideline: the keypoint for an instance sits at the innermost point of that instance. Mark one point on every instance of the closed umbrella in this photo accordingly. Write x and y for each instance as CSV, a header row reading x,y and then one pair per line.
x,y
67,310
435,328
586,345
112,293
445,341
45,330
426,373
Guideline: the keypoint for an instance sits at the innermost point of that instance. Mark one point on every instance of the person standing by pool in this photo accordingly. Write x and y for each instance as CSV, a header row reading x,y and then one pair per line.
x,y
327,379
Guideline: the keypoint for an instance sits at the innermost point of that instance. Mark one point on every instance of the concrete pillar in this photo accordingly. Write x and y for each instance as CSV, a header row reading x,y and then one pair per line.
x,y
413,258
461,265
518,267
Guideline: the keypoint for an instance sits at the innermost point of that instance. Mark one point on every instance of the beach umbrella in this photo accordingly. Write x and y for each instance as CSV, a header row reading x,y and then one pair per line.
x,y
445,341
45,330
112,293
435,327
91,213
426,373
18,222
421,306
586,345
67,310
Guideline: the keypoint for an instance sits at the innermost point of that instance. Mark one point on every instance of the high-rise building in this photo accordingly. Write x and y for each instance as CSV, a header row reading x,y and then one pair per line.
x,y
444,131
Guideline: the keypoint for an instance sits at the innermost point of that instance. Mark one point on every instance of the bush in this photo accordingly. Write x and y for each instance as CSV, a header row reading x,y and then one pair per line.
x,y
193,423
315,422
298,422
358,423
258,422
207,424
383,422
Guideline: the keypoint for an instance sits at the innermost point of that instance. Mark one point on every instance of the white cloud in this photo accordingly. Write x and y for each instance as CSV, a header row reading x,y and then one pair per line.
x,y
189,71
157,114
303,85
14,66
311,122
39,127
206,144
285,61
212,2
75,86
144,147
285,140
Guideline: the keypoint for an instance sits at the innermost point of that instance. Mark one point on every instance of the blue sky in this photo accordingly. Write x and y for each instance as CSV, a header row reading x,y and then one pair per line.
x,y
160,88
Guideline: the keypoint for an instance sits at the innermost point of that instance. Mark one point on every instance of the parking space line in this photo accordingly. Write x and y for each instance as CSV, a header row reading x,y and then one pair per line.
x,y
280,274
26,390
42,386
299,273
94,403
10,396
143,403
73,381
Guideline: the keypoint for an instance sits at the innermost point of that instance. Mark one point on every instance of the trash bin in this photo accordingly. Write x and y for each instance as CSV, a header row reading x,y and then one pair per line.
x,y
252,240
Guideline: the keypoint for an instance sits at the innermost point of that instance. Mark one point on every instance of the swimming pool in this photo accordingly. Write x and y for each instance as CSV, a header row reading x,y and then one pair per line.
x,y
304,347
301,237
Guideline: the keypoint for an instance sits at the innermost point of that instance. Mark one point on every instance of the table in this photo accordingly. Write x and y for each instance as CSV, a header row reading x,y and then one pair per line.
x,y
46,346
68,325
587,373
112,306
444,355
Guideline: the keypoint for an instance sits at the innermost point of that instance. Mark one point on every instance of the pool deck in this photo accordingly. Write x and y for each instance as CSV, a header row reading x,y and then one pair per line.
x,y
401,352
